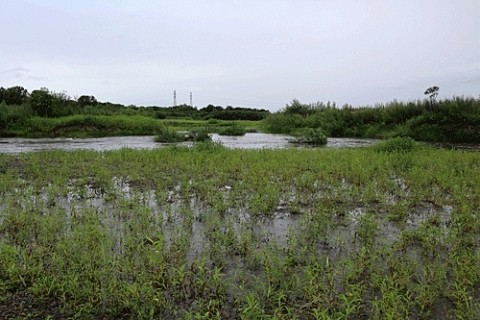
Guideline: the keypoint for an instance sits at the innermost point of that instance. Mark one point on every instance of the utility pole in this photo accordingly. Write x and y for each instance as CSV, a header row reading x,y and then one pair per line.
x,y
191,104
174,98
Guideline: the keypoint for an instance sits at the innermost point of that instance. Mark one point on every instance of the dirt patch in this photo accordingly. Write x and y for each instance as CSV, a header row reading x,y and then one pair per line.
x,y
22,305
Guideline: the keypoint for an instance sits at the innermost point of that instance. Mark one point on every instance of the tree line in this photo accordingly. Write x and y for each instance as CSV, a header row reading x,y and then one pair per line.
x,y
46,103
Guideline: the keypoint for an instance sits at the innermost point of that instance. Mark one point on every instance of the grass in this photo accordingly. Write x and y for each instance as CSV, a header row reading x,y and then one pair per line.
x,y
213,125
82,126
212,233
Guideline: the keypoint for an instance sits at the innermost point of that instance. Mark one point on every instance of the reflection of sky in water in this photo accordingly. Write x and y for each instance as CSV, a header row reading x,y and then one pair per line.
x,y
248,141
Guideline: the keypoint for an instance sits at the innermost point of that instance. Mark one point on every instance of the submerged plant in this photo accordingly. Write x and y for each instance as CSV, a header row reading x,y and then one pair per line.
x,y
168,135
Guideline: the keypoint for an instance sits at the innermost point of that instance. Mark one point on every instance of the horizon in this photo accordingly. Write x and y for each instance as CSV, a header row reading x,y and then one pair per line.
x,y
329,102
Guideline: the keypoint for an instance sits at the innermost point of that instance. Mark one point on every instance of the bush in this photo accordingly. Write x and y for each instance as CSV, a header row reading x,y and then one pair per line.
x,y
198,135
167,135
283,123
312,136
397,145
233,130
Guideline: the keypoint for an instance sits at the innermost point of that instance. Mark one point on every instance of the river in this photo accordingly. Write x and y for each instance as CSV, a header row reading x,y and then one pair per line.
x,y
248,141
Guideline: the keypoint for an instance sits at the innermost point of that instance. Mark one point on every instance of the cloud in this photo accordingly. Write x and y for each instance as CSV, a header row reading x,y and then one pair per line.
x,y
21,73
16,73
15,70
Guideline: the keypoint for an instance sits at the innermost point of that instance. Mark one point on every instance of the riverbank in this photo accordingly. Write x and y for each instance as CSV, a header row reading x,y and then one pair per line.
x,y
209,232
94,126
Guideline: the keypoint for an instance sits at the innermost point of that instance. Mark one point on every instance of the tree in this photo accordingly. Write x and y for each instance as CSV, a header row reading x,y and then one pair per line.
x,y
432,93
41,102
85,100
15,95
2,94
296,107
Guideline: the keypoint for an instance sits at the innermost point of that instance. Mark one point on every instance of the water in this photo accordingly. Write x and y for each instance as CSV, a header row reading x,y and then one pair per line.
x,y
248,141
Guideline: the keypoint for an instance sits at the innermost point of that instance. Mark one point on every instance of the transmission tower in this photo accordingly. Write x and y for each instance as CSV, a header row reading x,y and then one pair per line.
x,y
191,104
174,98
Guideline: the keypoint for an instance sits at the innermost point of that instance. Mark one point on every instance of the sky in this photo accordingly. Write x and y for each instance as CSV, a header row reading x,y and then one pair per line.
x,y
261,54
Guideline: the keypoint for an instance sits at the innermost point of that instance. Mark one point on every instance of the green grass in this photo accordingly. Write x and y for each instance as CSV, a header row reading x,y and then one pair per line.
x,y
80,126
213,233
213,125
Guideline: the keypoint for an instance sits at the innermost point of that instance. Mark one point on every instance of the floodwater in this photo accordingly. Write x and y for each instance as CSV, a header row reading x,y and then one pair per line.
x,y
248,141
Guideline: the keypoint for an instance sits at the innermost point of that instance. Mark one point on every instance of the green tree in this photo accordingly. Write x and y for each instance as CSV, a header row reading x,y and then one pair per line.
x,y
432,93
15,95
41,102
2,94
85,100
295,107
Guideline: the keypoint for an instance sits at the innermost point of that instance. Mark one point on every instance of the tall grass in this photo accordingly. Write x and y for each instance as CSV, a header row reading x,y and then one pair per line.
x,y
86,126
450,120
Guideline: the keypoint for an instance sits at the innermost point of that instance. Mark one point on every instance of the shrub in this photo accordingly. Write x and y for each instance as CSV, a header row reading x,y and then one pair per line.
x,y
167,135
233,130
312,136
398,145
198,135
283,123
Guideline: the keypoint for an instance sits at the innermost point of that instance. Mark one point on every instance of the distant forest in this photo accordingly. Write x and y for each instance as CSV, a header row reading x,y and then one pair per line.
x,y
45,103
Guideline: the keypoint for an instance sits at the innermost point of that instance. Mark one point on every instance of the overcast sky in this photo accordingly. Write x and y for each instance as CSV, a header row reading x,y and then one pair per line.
x,y
261,53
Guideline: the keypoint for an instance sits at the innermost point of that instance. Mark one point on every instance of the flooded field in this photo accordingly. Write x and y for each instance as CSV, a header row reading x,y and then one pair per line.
x,y
249,141
218,233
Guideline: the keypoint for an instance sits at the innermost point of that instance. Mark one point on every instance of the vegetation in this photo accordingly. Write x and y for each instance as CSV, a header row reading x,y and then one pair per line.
x,y
167,135
20,110
212,233
234,130
84,126
398,144
310,136
449,120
